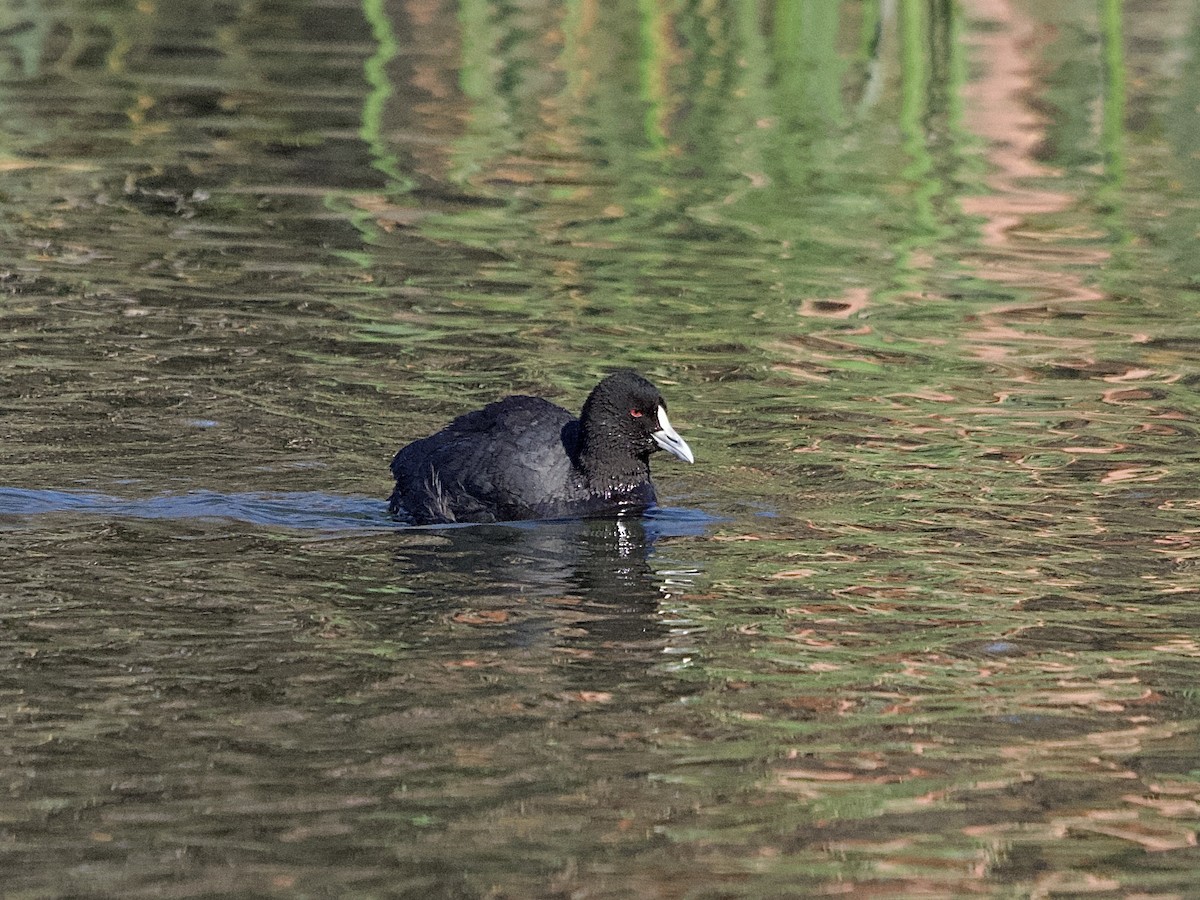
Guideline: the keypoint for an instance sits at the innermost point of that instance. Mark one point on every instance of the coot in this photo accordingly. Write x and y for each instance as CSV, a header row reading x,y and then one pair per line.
x,y
526,458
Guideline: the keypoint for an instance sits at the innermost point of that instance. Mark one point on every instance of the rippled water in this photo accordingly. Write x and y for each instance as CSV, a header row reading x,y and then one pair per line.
x,y
918,281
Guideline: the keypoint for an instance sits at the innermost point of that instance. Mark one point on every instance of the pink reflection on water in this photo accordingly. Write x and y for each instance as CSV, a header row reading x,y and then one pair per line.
x,y
998,110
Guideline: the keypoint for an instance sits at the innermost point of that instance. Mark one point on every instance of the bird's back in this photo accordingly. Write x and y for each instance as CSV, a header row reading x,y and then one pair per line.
x,y
509,460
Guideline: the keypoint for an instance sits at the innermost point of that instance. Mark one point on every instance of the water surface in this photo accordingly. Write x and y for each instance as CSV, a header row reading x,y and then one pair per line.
x,y
918,281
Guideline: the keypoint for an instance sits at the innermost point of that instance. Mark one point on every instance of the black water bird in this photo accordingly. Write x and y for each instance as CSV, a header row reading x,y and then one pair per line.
x,y
526,458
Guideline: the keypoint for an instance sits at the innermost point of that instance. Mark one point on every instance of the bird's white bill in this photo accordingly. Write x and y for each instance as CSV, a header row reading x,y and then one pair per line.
x,y
668,438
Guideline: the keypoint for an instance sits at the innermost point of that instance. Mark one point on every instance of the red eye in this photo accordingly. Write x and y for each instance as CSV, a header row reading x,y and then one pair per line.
x,y
636,413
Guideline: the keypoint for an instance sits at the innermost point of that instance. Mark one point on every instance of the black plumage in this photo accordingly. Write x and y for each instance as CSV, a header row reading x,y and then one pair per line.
x,y
526,458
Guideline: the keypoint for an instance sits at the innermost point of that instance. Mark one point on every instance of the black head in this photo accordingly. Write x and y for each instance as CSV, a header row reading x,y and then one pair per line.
x,y
623,419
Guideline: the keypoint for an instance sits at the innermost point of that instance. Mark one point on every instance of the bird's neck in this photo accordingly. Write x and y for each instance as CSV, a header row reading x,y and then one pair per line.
x,y
608,471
